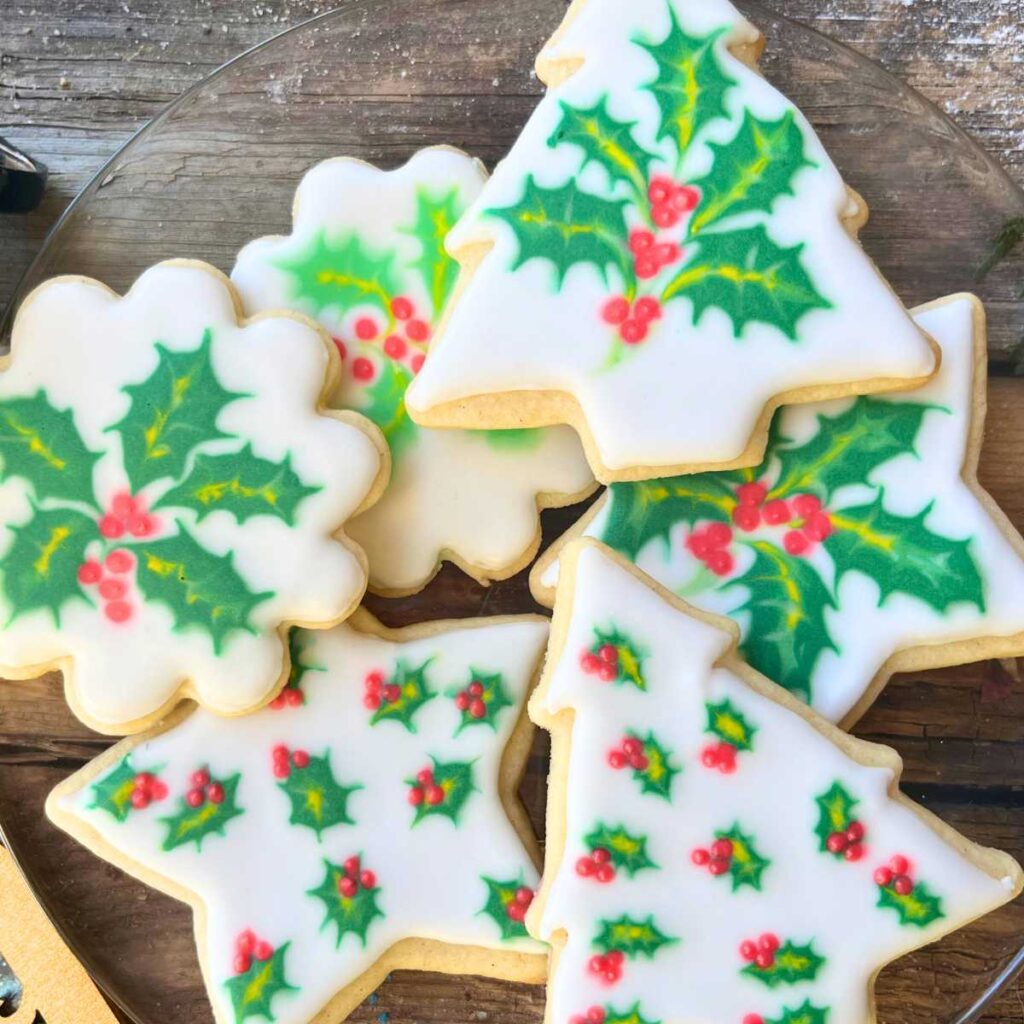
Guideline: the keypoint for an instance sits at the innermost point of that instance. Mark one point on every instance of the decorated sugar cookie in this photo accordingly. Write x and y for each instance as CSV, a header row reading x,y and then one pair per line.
x,y
715,851
172,495
861,546
664,256
366,821
366,257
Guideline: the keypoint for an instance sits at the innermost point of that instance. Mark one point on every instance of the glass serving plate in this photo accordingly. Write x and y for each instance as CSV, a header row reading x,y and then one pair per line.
x,y
378,79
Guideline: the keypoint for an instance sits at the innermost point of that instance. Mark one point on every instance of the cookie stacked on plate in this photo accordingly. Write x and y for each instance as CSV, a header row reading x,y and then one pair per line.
x,y
193,481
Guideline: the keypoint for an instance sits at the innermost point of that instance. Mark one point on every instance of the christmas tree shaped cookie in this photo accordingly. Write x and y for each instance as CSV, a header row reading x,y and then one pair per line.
x,y
691,818
367,822
173,495
366,257
862,545
666,254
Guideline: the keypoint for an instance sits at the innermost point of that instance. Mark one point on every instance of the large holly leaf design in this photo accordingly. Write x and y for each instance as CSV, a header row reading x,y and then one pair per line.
x,y
751,171
786,603
172,412
113,791
500,896
318,800
201,589
750,278
253,992
628,852
435,217
632,937
920,907
242,484
386,405
606,142
567,227
42,446
40,569
691,85
349,914
792,964
903,556
194,824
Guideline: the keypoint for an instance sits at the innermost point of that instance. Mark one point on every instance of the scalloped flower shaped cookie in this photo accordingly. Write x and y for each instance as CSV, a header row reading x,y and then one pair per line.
x,y
172,495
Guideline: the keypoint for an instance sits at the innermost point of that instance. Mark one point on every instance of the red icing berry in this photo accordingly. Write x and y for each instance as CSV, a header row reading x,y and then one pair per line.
x,y
607,672
418,330
753,1018
90,572
516,911
417,363
294,697
524,895
435,795
685,198
903,885
605,873
748,950
595,1015
477,708
159,789
425,776
367,879
589,662
263,951
721,848
348,887
352,866
615,957
246,942
215,793
242,963
631,746
768,941
123,505
366,328
665,215
764,959
718,866
751,494
395,346
806,505
617,759
362,369
776,512
661,189
721,563
615,311
282,770
119,561
700,857
277,703
796,543
818,527
899,864
640,241
415,796
374,681
118,611
634,332
392,693
462,700
112,590
300,759
719,535
401,308
699,545
646,267
639,762
371,701
140,799
647,309
855,832
111,527
726,754
201,777
854,852
709,757
476,688
747,517
666,253
836,842
195,798
601,855
609,654
585,867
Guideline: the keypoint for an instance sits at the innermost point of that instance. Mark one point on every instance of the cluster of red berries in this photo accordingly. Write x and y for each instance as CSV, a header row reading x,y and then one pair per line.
x,y
127,515
597,866
112,589
762,952
670,201
249,947
632,319
604,662
709,546
354,877
897,875
426,789
377,691
203,789
650,256
608,967
753,510
471,699
289,697
284,759
720,755
849,842
148,789
517,908
396,345
717,860
629,753
595,1015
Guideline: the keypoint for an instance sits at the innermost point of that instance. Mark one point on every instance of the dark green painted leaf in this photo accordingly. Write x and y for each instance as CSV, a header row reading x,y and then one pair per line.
x,y
747,865
630,1016
500,896
456,779
413,692
792,965
729,724
919,908
253,992
435,217
318,800
808,1013
494,696
835,814
385,405
349,914
628,852
631,936
113,792
629,656
657,777
194,824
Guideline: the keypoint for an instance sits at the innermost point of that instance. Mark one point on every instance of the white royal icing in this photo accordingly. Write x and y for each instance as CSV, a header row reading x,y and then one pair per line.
x,y
688,394
806,895
457,494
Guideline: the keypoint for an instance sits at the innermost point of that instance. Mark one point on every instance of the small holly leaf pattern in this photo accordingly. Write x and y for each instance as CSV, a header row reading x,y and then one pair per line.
x,y
917,908
657,777
350,915
835,814
727,722
410,690
242,484
506,907
792,964
385,405
435,217
40,569
41,445
630,1016
623,656
631,937
808,1013
482,700
194,824
201,589
746,865
567,228
172,412
252,992
318,800
628,852
455,781
113,791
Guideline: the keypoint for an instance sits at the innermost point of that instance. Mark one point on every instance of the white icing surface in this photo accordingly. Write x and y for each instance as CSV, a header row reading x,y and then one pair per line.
x,y
452,492
258,873
806,894
868,633
688,394
82,345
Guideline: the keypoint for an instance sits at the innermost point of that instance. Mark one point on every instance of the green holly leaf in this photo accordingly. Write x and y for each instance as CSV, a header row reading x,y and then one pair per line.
x,y
638,513
349,914
691,86
630,1016
750,278
746,866
201,589
501,896
903,556
194,824
385,405
568,227
727,722
413,692
631,937
341,274
606,142
628,852
456,779
42,446
113,792
920,907
435,217
792,964
172,412
806,1014
835,814
751,171
40,569
298,643
657,777
787,632
846,449
253,992
629,656
318,800
494,696
242,484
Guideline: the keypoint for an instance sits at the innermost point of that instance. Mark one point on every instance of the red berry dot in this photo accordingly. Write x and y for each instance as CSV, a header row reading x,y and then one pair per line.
x,y
415,796
585,867
477,708
159,790
417,363
352,866
903,885
646,267
90,572
647,309
718,535
277,703
524,895
282,770
300,759
818,527
721,848
367,879
246,942
112,590
709,757
476,688
806,505
425,776
201,777
883,876
640,241
855,832
609,654
768,941
764,959
700,857
601,855
747,517
348,887
776,512
362,369
392,693
242,963
435,795
140,799
633,332
718,866
854,852
639,762
395,346
418,330
606,672
615,311
748,950
123,504
462,700
836,842
118,611
366,328
665,215
751,494
120,561
615,957
796,543
516,911
699,545
685,198
141,525
215,793
666,253
596,1015
374,681
605,873
263,951
721,563
194,798
294,697
371,701
617,759
631,746
401,308
899,864
661,189
111,527
589,662
753,1018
